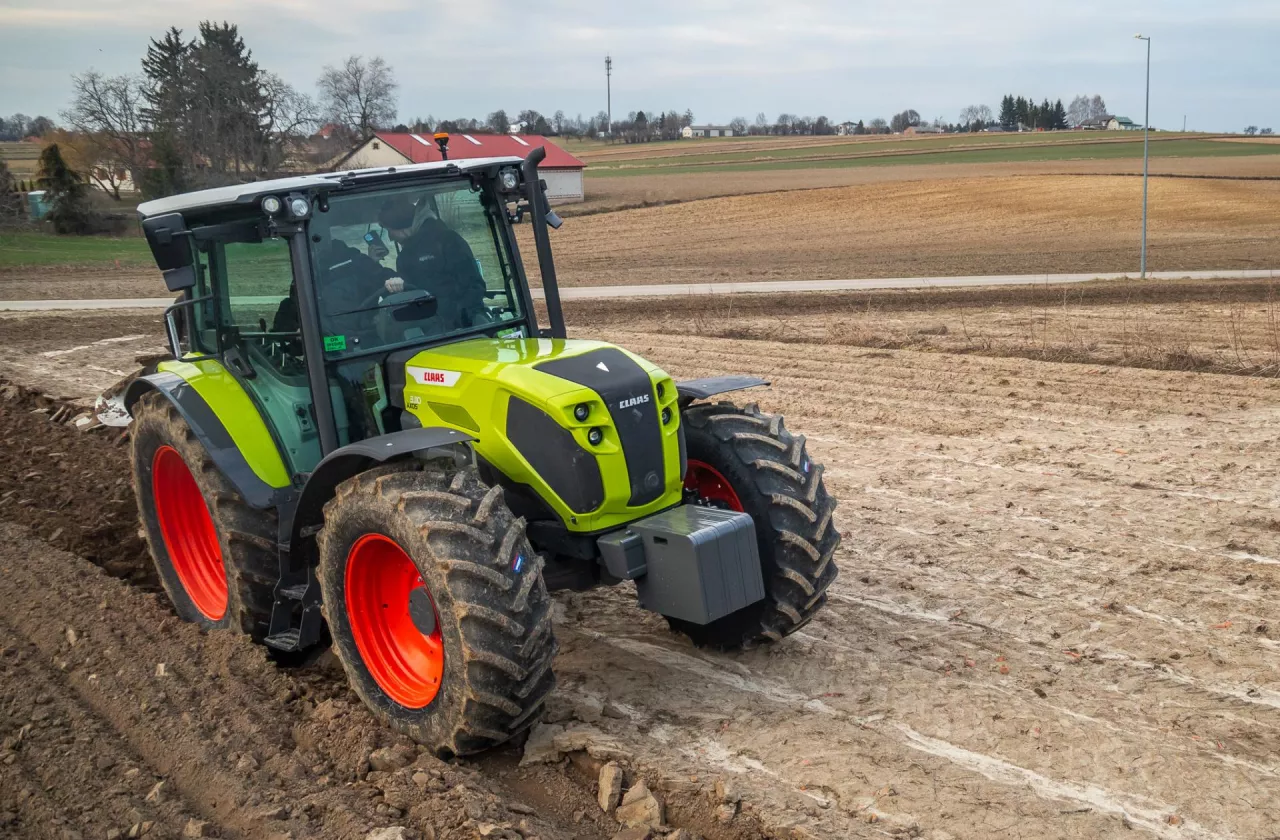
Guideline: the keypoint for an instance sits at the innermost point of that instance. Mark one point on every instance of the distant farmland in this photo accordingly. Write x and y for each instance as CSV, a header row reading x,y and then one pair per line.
x,y
784,153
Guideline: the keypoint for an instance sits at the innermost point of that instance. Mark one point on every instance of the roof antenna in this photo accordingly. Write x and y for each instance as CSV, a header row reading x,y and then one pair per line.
x,y
442,140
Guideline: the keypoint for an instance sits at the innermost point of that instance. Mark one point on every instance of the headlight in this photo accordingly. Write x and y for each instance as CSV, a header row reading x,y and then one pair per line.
x,y
299,207
509,180
595,436
666,416
271,205
581,412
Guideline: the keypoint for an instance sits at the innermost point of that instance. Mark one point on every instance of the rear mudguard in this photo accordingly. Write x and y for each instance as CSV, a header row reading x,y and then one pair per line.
x,y
243,449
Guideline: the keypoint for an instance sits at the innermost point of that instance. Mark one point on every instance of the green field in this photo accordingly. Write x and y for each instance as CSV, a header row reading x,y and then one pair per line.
x,y
893,153
29,248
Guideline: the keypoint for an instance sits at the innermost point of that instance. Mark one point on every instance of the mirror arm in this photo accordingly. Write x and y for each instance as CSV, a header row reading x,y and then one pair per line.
x,y
546,264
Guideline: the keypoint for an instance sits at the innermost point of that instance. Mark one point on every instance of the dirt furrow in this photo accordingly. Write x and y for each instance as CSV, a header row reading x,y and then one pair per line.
x,y
67,769
254,750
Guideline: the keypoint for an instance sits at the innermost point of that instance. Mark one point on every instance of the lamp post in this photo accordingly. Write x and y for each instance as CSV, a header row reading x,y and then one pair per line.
x,y
1146,149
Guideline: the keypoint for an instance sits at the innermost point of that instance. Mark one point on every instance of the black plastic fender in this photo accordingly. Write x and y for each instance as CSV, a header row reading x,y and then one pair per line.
x,y
701,389
354,458
213,436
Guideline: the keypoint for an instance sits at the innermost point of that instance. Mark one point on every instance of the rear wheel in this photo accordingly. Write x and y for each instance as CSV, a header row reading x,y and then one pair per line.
x,y
214,554
744,460
436,605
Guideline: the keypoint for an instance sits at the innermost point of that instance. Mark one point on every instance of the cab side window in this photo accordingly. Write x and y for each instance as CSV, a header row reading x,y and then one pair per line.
x,y
257,280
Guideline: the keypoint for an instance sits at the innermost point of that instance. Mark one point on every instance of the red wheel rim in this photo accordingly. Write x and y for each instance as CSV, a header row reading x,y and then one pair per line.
x,y
406,663
188,532
711,488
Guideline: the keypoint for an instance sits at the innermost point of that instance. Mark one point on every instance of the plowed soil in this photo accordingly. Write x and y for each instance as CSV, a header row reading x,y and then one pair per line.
x,y
1054,616
1025,225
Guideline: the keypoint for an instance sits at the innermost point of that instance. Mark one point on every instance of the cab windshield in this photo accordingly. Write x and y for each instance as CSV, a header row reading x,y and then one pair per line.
x,y
411,265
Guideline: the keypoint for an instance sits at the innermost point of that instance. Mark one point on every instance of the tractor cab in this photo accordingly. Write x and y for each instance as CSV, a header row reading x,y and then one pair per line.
x,y
304,287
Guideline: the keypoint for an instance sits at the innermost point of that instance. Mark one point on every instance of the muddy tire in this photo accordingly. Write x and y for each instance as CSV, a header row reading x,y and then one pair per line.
x,y
214,554
436,604
743,459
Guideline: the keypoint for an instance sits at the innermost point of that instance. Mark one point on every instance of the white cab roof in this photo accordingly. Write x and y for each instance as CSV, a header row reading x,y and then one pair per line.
x,y
248,193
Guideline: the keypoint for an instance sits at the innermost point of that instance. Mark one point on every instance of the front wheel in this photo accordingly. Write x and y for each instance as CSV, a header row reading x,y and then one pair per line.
x,y
436,605
744,460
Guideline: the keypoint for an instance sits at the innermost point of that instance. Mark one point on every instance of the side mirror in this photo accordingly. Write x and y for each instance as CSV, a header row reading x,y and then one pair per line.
x,y
171,247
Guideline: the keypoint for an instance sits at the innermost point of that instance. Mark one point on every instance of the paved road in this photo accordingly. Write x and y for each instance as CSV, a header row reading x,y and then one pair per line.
x,y
768,286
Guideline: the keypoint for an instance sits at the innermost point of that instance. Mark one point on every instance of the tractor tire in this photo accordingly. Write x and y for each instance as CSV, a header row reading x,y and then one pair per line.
x,y
215,555
742,459
436,605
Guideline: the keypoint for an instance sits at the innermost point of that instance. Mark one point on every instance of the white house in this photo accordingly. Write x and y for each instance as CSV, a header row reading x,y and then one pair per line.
x,y
706,131
562,171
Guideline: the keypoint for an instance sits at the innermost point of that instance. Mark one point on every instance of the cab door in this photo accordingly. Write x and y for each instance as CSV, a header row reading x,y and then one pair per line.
x,y
252,324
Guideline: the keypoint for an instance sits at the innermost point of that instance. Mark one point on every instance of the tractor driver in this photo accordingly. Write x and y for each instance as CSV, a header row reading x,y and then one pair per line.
x,y
434,257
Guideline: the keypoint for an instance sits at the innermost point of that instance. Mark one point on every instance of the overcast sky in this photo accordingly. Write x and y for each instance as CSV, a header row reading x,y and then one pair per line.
x,y
1216,61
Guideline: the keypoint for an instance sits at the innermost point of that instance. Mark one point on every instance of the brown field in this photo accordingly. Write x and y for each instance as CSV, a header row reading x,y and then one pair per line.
x,y
609,194
980,225
1054,617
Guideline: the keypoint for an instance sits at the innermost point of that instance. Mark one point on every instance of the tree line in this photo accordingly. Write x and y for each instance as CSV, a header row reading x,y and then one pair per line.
x,y
20,127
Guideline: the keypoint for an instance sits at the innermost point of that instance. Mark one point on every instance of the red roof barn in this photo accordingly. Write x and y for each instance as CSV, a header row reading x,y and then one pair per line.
x,y
561,170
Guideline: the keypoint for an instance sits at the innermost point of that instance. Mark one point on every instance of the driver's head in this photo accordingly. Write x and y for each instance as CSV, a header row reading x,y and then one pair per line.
x,y
396,217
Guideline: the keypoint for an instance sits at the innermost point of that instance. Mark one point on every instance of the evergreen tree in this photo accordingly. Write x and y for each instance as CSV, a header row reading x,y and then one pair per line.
x,y
1046,115
1059,116
1022,111
165,68
1008,112
227,98
67,193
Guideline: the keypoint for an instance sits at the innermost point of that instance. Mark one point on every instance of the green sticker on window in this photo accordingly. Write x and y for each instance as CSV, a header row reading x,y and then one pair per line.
x,y
335,342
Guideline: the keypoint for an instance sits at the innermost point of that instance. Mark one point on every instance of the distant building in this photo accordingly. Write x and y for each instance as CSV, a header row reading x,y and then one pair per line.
x,y
1095,124
706,131
922,129
561,170
1122,124
846,128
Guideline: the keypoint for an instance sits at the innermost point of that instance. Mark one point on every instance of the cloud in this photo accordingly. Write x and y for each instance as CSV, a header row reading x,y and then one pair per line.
x,y
721,58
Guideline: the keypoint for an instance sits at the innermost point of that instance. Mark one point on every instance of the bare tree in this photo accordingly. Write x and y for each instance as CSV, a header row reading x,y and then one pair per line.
x,y
1078,111
904,120
107,112
1251,130
974,117
288,118
498,122
878,125
1097,107
360,95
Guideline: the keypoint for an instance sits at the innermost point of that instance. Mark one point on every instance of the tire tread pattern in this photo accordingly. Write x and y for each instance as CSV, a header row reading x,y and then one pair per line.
x,y
786,496
463,537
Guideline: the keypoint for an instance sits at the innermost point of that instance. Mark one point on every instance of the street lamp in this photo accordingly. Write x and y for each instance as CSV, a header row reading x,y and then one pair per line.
x,y
1146,148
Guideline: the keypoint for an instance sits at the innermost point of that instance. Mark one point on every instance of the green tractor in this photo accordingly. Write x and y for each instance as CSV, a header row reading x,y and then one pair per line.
x,y
365,438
